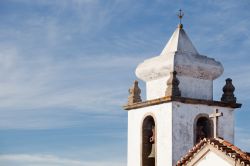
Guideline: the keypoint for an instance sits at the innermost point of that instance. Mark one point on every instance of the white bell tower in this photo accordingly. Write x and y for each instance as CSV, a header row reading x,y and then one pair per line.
x,y
179,100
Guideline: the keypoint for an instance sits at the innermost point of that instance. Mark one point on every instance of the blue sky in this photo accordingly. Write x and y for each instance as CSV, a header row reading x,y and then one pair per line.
x,y
66,66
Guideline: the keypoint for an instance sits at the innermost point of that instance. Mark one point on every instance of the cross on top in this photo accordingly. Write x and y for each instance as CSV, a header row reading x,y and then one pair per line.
x,y
215,116
180,15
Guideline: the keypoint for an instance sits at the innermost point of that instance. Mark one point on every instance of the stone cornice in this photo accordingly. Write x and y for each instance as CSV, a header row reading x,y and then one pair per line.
x,y
182,100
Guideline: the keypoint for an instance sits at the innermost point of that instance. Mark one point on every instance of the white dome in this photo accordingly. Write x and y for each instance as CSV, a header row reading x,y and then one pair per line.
x,y
180,55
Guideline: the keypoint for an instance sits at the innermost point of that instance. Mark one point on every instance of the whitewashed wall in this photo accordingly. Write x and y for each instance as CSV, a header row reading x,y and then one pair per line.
x,y
190,87
183,125
156,88
196,88
211,158
162,115
174,130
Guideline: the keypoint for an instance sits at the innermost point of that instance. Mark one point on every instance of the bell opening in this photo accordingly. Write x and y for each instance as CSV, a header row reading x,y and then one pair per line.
x,y
148,142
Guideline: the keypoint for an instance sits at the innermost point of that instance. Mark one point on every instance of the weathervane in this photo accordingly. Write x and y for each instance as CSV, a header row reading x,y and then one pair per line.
x,y
180,15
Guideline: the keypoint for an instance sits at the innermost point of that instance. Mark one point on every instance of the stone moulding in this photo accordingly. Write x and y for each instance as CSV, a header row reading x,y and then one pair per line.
x,y
182,100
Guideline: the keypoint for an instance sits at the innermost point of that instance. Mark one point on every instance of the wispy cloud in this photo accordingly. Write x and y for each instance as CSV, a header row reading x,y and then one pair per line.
x,y
49,62
45,82
68,64
50,160
34,89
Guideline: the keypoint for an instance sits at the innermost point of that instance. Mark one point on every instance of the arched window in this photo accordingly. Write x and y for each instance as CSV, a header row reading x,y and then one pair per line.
x,y
148,141
202,128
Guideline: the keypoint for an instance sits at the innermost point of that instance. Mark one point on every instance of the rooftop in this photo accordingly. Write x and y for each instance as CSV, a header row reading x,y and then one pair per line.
x,y
221,145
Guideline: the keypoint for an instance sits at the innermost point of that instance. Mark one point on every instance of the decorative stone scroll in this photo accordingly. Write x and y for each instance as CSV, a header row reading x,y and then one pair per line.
x,y
172,85
134,94
228,95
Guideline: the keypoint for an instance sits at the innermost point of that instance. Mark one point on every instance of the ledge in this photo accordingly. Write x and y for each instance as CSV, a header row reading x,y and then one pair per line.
x,y
182,100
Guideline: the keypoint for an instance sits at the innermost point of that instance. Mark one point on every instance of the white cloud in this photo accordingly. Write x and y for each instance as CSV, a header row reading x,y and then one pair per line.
x,y
41,83
37,79
50,160
34,89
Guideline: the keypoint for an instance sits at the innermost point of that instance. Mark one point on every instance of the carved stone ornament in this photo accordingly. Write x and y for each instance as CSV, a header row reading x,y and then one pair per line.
x,y
134,94
172,85
228,95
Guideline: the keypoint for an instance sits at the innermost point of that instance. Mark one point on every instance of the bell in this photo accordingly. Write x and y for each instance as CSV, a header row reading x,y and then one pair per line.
x,y
152,154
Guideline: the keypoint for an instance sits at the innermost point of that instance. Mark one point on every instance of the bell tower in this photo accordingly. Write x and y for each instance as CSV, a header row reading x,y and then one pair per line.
x,y
179,102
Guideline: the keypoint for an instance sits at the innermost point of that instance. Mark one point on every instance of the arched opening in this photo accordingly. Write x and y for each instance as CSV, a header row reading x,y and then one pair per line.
x,y
148,142
203,128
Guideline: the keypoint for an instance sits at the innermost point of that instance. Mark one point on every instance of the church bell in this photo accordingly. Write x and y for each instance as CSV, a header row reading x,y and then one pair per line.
x,y
152,154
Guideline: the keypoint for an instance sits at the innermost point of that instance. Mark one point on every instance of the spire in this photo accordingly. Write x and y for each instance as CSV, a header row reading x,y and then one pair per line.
x,y
179,42
181,56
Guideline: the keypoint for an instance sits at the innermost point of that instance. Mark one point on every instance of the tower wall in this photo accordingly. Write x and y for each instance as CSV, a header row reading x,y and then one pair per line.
x,y
196,88
189,87
162,115
156,88
183,118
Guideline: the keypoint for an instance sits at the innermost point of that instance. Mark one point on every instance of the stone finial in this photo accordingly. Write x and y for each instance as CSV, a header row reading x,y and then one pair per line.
x,y
228,95
172,85
134,94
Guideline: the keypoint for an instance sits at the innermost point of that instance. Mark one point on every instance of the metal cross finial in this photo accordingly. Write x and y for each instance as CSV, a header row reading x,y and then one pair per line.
x,y
215,116
180,15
